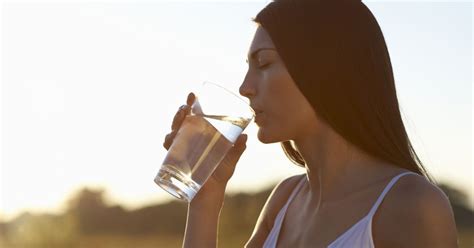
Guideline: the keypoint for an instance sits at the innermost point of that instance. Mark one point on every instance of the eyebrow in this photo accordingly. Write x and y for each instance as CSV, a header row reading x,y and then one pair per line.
x,y
254,53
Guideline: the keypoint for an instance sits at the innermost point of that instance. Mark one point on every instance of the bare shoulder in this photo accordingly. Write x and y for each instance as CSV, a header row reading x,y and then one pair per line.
x,y
274,203
415,213
279,196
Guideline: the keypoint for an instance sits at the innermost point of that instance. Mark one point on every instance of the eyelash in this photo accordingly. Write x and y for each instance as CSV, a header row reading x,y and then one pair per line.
x,y
263,66
260,67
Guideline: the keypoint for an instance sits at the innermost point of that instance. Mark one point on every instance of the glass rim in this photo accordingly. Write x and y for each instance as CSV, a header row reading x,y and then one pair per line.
x,y
232,93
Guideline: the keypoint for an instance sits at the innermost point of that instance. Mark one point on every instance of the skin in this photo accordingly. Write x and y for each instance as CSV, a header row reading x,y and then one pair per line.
x,y
341,181
337,174
327,155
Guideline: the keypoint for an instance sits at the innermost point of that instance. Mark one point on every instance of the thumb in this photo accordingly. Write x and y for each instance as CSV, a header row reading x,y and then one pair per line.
x,y
239,147
241,142
229,162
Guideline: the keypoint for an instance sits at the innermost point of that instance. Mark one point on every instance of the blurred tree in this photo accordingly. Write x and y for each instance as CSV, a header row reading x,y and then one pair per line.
x,y
456,197
88,213
88,208
44,230
463,214
95,217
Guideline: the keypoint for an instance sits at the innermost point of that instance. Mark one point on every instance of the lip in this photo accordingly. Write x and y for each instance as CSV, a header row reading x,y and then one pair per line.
x,y
255,109
258,114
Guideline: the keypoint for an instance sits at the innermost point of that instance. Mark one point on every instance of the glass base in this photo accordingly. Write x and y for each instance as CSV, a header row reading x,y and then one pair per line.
x,y
176,183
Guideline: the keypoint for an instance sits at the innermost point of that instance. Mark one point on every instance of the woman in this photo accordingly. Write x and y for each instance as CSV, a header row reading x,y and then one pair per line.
x,y
321,83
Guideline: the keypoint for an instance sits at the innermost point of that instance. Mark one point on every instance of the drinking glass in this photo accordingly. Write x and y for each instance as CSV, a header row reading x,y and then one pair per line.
x,y
217,118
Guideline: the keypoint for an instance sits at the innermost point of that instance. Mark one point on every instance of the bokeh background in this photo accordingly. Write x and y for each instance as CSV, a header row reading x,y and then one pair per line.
x,y
89,89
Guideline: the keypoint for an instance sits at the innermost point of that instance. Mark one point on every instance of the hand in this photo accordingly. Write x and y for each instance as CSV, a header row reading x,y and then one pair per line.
x,y
214,188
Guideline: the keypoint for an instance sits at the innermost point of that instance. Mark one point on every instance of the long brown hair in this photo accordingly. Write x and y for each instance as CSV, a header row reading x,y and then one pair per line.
x,y
336,53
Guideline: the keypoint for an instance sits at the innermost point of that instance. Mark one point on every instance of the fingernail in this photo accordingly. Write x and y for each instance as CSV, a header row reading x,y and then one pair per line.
x,y
182,107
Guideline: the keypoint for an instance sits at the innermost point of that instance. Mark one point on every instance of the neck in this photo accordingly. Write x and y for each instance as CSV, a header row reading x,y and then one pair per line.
x,y
333,165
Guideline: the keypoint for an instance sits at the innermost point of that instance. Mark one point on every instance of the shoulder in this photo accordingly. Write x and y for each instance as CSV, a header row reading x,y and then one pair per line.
x,y
274,203
279,196
415,213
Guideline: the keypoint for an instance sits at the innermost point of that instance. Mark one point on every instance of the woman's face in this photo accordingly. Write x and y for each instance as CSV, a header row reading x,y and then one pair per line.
x,y
282,112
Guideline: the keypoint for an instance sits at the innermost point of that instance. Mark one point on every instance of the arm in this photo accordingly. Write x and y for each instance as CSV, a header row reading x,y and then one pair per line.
x,y
202,222
203,211
423,219
274,203
431,222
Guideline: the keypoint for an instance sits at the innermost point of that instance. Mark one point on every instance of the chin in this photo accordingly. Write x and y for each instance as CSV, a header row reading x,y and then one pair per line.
x,y
266,137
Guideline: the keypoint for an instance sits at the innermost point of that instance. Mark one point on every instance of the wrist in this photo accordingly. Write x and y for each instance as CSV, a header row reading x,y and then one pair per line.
x,y
208,200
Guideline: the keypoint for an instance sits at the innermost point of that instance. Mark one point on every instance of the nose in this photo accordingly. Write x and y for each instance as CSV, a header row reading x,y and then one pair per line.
x,y
247,89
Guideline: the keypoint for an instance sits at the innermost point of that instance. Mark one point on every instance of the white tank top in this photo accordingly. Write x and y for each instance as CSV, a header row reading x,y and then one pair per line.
x,y
359,235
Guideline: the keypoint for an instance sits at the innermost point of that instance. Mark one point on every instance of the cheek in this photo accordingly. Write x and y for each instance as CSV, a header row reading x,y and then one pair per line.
x,y
287,112
279,124
289,116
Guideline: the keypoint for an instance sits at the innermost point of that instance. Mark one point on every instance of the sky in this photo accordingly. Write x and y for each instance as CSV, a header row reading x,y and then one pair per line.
x,y
89,90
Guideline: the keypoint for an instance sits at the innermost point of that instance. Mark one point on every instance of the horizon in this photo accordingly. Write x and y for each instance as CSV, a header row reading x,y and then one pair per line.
x,y
84,104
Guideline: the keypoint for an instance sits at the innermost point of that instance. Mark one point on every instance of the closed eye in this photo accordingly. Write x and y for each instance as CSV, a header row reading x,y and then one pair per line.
x,y
264,66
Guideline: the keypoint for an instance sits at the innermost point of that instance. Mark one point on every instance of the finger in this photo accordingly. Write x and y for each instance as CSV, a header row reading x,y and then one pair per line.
x,y
241,140
179,117
191,98
169,140
230,160
236,151
182,112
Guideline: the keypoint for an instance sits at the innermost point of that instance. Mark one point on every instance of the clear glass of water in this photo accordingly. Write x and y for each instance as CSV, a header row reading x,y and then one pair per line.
x,y
218,116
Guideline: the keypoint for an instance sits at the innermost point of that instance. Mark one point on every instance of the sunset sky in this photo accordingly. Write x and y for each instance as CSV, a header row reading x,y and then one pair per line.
x,y
89,90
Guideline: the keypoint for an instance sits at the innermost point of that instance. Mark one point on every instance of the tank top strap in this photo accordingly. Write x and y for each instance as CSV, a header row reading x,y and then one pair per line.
x,y
296,189
281,215
385,191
